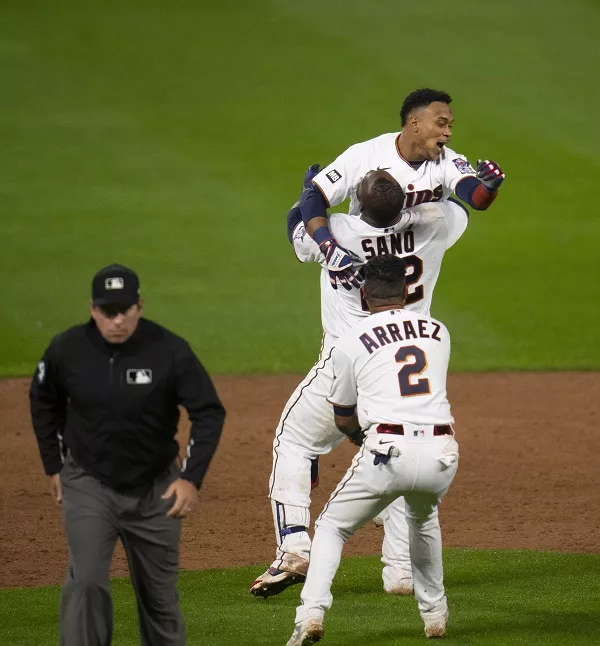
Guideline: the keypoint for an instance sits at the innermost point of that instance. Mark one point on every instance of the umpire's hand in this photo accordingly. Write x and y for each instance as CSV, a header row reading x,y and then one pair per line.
x,y
186,496
56,488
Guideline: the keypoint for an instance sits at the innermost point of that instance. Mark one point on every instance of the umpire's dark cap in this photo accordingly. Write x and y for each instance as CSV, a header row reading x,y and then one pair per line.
x,y
115,285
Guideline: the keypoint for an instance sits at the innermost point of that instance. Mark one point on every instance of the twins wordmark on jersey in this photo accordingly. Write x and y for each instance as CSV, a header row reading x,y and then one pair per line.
x,y
421,237
430,181
393,367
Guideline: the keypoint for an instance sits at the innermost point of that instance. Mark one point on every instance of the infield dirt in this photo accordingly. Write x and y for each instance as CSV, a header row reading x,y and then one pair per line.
x,y
528,475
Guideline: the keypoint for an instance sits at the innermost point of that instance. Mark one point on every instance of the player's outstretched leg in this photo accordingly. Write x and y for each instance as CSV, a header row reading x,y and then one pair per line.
x,y
426,553
397,572
293,549
435,477
305,431
316,594
351,505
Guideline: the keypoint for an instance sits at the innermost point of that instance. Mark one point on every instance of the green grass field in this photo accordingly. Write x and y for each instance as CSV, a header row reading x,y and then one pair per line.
x,y
497,598
175,138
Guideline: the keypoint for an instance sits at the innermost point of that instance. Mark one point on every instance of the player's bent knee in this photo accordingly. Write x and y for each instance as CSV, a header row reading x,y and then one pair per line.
x,y
326,525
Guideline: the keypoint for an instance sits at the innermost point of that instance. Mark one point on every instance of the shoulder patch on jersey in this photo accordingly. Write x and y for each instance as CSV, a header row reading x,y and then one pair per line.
x,y
299,233
463,166
333,176
41,371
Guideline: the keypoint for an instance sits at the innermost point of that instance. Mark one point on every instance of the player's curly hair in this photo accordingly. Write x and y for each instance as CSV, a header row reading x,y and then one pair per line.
x,y
383,201
385,277
421,99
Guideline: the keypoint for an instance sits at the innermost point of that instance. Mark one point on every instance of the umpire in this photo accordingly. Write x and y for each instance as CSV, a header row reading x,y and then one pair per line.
x,y
104,406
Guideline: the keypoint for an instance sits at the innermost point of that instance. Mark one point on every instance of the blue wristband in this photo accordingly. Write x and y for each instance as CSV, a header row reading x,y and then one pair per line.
x,y
321,235
344,411
465,189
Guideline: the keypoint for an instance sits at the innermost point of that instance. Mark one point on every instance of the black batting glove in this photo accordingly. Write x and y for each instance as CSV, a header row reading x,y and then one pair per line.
x,y
339,265
307,185
311,173
490,174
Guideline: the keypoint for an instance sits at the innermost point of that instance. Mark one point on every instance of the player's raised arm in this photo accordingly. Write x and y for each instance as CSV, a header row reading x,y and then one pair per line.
x,y
311,207
480,191
427,122
305,248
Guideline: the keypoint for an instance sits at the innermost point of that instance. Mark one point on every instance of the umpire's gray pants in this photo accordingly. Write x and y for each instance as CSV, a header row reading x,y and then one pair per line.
x,y
95,516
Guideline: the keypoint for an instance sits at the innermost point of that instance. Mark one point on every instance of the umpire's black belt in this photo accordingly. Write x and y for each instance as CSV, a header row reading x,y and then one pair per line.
x,y
398,429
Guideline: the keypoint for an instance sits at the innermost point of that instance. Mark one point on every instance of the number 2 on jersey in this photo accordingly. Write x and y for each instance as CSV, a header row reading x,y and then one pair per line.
x,y
409,387
411,278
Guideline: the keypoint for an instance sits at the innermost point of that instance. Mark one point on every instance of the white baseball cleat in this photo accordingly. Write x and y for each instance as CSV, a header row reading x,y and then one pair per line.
x,y
398,582
309,631
436,627
381,517
274,581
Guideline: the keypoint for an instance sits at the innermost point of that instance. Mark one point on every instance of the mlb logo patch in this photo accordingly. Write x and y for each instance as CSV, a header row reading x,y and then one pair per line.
x,y
41,372
137,376
463,166
333,176
419,433
114,283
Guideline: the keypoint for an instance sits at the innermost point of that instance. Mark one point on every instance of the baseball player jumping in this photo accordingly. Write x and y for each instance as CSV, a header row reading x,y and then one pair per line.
x,y
419,159
306,428
389,396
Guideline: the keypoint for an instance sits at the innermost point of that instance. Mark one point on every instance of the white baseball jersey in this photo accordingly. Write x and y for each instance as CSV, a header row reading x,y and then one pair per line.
x,y
393,367
421,237
432,181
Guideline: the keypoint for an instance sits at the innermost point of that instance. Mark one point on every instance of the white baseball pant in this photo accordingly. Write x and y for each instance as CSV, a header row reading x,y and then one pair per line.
x,y
422,473
305,431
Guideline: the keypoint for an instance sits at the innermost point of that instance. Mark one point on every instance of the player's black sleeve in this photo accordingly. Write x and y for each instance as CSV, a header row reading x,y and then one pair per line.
x,y
313,205
48,406
197,395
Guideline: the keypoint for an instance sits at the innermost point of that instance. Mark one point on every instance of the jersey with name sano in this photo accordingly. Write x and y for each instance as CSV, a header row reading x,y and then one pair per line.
x,y
393,367
421,237
431,181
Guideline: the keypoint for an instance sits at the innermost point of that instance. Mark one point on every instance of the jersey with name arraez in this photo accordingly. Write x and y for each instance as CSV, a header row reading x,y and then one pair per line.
x,y
431,181
393,367
421,237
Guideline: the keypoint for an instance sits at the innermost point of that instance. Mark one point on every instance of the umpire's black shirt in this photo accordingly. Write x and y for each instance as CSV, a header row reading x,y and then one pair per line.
x,y
115,406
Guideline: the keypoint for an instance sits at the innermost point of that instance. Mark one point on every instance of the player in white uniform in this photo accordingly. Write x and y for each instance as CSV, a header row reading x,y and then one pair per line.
x,y
418,157
307,429
390,387
428,171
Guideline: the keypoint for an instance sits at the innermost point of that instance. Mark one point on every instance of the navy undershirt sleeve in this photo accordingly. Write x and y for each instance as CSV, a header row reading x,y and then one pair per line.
x,y
294,216
465,189
313,205
344,411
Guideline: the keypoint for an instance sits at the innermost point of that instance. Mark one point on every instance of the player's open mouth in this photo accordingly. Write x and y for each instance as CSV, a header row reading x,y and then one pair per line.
x,y
441,144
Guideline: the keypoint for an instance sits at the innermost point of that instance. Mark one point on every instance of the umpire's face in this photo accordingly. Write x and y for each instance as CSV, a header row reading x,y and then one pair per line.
x,y
116,323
